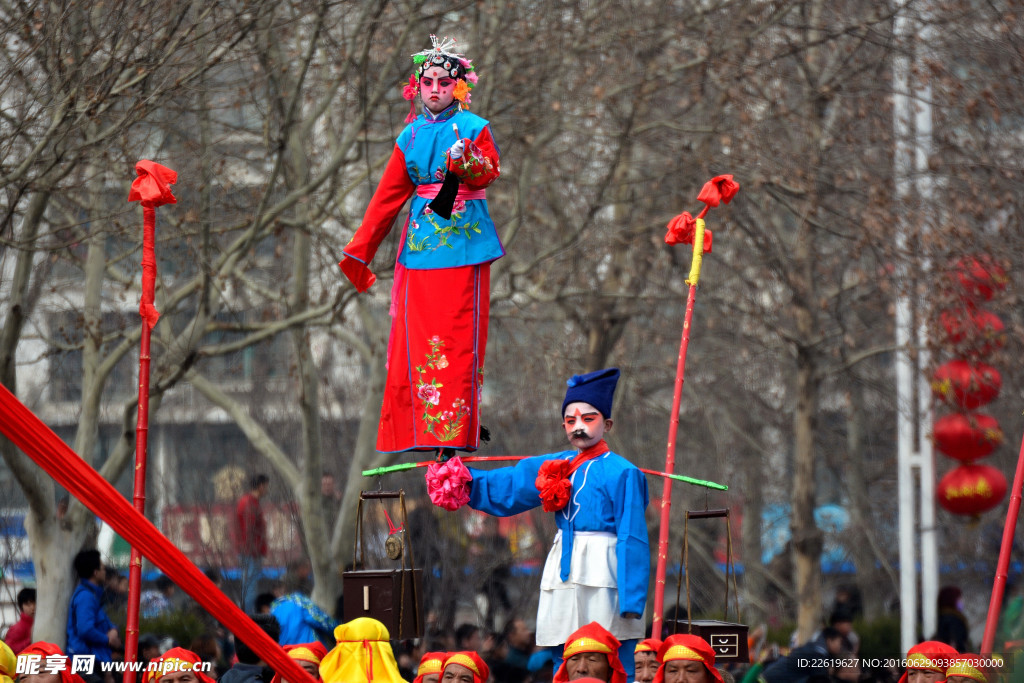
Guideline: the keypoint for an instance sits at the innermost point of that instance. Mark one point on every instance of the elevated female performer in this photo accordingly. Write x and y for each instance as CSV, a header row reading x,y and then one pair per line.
x,y
441,295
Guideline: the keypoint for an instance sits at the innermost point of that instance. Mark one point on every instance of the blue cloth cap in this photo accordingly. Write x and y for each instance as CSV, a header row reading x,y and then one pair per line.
x,y
596,388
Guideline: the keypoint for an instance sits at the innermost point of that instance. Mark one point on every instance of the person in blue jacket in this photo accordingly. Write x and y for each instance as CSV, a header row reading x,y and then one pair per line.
x,y
302,620
90,631
599,565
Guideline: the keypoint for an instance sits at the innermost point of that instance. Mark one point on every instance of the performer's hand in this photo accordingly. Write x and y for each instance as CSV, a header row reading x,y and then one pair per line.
x,y
457,150
630,615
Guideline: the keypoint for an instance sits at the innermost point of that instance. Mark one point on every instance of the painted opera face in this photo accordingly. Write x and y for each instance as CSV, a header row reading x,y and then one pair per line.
x,y
584,425
437,89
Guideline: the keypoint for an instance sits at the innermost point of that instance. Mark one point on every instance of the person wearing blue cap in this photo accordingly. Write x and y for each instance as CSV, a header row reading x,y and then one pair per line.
x,y
599,565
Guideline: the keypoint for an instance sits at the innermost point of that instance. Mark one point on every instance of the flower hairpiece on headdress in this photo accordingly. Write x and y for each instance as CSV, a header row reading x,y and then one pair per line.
x,y
442,54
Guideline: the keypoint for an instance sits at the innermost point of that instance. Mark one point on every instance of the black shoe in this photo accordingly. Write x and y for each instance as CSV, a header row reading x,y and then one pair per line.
x,y
485,434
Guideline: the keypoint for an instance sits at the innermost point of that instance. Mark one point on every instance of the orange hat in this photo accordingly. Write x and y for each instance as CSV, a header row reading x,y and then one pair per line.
x,y
648,645
684,646
175,659
44,650
931,655
471,661
430,663
968,666
304,652
592,638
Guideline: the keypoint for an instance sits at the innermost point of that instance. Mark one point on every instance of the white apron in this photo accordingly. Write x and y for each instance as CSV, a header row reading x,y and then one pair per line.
x,y
590,594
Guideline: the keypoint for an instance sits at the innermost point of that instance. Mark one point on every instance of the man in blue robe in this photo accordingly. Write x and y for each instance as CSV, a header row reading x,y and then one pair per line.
x,y
598,568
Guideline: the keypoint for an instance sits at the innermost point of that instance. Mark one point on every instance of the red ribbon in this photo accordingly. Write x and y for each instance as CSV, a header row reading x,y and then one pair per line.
x,y
152,188
369,660
392,529
553,478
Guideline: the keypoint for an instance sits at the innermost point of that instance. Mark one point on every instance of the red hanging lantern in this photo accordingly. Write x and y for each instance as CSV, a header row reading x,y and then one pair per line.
x,y
981,276
967,437
966,385
980,331
971,489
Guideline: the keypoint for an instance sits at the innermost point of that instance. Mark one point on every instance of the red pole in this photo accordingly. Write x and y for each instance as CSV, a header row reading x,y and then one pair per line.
x,y
673,428
131,640
152,189
1002,567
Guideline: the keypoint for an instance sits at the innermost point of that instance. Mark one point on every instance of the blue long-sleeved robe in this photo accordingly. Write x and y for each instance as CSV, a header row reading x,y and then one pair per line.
x,y
609,495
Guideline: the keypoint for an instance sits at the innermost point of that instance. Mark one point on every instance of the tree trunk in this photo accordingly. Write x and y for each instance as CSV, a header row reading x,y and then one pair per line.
x,y
754,584
365,456
311,510
806,537
45,538
53,550
863,545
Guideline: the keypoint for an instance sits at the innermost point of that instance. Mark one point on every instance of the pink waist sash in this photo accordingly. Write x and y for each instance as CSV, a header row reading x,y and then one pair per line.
x,y
430,191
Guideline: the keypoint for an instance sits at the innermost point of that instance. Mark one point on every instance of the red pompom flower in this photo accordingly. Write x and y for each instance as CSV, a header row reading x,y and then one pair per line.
x,y
553,484
448,484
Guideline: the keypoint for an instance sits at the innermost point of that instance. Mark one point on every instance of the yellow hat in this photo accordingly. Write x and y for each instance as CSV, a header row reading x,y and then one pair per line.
x,y
363,654
967,666
8,663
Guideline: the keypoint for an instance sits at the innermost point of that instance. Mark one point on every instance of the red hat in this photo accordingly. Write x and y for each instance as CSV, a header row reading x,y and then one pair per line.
x,y
592,638
968,666
175,659
303,652
684,646
430,663
44,650
931,655
471,661
648,645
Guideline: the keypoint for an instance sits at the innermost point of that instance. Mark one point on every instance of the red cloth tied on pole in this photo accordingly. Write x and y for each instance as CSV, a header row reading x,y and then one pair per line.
x,y
719,190
152,188
46,449
682,230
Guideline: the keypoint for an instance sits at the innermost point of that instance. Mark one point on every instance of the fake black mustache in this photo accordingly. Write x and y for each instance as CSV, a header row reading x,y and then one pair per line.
x,y
579,434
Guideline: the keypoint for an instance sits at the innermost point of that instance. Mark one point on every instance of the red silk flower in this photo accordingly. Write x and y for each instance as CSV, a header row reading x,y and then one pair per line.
x,y
682,230
411,89
553,484
152,187
720,189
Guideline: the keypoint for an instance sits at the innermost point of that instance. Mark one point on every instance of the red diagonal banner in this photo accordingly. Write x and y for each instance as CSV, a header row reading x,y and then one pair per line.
x,y
46,449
